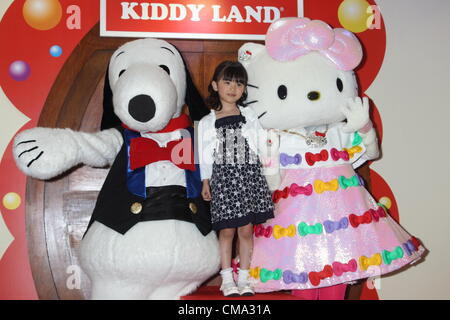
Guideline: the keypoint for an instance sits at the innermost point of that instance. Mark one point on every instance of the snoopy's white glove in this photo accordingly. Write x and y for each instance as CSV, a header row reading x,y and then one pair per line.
x,y
357,113
44,153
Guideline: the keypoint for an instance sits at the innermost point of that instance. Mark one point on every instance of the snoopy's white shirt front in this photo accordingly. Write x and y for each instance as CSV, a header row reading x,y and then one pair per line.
x,y
163,173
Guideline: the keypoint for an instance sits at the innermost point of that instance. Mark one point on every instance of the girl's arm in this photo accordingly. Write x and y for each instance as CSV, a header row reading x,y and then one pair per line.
x,y
206,190
206,140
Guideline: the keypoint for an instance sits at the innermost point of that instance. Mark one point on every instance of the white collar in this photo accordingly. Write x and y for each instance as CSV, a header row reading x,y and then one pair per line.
x,y
163,138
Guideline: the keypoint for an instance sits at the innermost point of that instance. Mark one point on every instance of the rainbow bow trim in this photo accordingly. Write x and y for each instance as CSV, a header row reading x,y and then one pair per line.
x,y
336,154
320,186
286,159
331,226
365,263
355,220
266,275
304,229
316,277
356,139
290,277
389,256
340,268
350,182
260,231
312,158
280,232
353,150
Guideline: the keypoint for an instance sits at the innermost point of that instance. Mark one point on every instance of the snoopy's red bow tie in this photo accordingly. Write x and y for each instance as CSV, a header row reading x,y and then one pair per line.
x,y
144,151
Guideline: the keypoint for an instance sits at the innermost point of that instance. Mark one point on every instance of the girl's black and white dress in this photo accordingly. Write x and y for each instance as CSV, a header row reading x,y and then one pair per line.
x,y
239,191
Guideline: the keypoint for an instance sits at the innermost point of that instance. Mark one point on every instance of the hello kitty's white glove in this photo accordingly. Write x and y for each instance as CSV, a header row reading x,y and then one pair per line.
x,y
269,151
357,113
44,153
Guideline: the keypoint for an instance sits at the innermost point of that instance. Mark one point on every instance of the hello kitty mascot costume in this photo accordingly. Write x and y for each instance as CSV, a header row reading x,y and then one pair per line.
x,y
328,230
150,235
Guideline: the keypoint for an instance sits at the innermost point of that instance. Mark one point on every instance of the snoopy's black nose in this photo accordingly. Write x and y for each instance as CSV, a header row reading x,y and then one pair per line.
x,y
142,108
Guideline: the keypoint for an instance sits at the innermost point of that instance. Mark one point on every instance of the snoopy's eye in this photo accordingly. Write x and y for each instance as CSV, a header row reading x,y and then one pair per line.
x,y
121,72
282,92
313,95
165,68
339,84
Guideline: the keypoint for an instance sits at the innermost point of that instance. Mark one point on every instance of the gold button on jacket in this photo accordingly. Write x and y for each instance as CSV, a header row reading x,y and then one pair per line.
x,y
193,207
136,208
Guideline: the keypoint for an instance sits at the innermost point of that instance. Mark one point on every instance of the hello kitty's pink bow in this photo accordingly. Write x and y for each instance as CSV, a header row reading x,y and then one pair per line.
x,y
290,38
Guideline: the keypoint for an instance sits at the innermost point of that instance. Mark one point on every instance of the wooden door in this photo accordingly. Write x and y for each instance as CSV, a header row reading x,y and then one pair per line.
x,y
58,211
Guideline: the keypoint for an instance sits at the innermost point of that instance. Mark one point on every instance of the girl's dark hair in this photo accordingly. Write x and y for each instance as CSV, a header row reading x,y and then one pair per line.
x,y
227,70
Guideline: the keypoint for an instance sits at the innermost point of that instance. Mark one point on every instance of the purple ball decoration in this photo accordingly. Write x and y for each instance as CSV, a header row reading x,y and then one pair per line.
x,y
56,51
19,70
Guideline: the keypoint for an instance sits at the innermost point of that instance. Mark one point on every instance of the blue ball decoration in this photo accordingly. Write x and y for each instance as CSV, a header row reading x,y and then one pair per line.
x,y
56,51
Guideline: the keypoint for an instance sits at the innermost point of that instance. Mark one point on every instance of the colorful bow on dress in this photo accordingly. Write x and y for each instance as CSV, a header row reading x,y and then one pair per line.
x,y
316,277
266,275
340,268
389,256
295,189
260,231
411,245
331,226
355,220
353,150
286,160
312,158
356,139
304,229
365,263
350,182
255,272
377,214
290,277
320,186
278,194
336,154
280,232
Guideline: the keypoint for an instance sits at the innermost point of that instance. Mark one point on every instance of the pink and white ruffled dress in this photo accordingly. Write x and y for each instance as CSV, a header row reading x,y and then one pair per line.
x,y
327,228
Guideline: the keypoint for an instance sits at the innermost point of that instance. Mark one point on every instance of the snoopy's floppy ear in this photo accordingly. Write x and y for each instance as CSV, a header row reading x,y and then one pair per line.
x,y
109,118
193,99
248,51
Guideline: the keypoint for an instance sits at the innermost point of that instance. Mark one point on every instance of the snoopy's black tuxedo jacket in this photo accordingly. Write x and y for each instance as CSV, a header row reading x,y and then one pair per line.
x,y
120,210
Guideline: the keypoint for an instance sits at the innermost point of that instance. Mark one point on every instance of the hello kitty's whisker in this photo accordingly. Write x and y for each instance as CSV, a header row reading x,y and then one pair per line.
x,y
262,114
250,102
252,86
39,155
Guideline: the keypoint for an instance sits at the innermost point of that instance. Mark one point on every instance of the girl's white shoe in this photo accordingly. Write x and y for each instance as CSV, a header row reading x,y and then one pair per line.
x,y
246,289
228,287
244,286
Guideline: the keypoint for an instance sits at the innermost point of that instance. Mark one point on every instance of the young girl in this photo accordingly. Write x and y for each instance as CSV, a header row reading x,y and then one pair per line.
x,y
231,172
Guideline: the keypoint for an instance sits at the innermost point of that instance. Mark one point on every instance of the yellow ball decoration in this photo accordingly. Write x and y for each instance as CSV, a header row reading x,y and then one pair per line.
x,y
11,201
42,14
355,15
386,202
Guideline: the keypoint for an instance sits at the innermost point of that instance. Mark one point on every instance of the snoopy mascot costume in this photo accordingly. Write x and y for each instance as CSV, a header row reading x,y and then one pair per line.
x,y
149,236
328,230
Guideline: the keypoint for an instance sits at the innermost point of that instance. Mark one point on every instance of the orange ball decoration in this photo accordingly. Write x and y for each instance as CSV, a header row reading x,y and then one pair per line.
x,y
42,14
355,15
